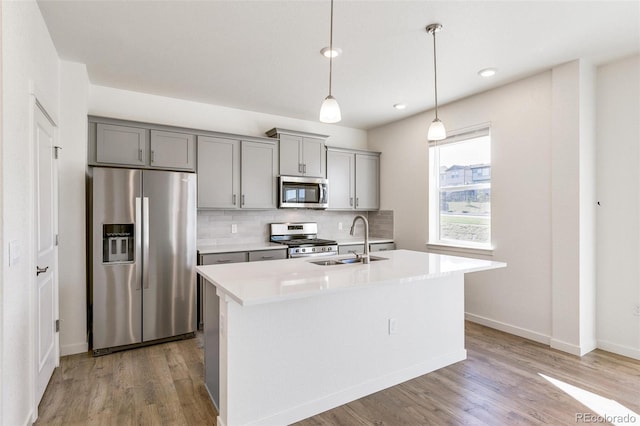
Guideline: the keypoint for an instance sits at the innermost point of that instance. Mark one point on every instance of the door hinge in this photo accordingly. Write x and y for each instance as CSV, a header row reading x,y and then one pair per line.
x,y
57,239
56,152
57,325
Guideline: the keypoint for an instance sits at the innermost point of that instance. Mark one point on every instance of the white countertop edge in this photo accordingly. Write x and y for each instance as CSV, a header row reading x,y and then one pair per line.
x,y
251,301
313,293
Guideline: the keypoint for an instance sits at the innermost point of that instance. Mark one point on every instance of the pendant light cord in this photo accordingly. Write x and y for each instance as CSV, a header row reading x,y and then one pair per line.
x,y
435,72
331,49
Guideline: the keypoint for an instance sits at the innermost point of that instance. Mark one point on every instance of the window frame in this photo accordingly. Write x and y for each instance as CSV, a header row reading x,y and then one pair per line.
x,y
435,243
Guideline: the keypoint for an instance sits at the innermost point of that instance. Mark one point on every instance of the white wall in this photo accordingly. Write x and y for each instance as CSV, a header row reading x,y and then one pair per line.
x,y
74,87
117,103
28,55
573,207
518,298
569,279
618,230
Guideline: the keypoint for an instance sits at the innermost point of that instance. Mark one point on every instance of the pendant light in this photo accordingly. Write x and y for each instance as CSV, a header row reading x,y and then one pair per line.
x,y
330,110
437,132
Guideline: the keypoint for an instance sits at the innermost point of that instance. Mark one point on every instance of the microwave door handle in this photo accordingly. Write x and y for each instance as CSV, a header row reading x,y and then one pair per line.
x,y
321,200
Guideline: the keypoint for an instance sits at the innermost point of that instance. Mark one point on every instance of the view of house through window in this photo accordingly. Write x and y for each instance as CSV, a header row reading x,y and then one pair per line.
x,y
460,189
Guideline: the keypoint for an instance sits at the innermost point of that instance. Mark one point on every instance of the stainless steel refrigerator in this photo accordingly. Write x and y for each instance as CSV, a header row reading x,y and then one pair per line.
x,y
142,284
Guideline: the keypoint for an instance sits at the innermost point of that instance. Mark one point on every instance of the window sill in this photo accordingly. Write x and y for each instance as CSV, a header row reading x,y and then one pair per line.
x,y
459,250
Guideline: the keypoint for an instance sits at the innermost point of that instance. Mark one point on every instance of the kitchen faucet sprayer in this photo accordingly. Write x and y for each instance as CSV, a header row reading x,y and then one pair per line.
x,y
365,256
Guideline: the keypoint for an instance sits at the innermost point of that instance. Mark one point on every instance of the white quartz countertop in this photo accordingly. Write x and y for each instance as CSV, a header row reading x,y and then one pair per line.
x,y
256,283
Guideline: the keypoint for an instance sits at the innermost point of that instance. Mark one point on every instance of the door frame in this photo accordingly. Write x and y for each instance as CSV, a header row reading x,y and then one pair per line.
x,y
35,104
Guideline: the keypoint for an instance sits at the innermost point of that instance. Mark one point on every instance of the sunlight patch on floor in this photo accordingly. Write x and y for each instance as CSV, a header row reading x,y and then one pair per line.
x,y
609,410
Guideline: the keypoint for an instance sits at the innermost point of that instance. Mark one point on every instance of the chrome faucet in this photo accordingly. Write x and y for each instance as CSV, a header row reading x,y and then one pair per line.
x,y
365,256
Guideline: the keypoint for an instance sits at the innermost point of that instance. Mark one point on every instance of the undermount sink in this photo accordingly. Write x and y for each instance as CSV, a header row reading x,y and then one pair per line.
x,y
347,261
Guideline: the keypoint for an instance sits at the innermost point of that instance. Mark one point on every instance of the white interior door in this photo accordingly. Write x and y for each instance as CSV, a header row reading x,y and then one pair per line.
x,y
46,294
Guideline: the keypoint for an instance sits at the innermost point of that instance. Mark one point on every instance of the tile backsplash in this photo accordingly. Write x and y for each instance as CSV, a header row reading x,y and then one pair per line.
x,y
214,226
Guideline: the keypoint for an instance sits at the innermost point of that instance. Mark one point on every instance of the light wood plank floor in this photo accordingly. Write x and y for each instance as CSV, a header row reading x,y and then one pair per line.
x,y
498,384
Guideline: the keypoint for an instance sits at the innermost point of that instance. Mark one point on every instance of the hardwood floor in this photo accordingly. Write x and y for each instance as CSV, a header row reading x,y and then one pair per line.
x,y
498,384
154,385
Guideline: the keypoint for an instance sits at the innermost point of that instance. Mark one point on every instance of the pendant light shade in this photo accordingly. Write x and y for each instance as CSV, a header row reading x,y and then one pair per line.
x,y
330,110
437,131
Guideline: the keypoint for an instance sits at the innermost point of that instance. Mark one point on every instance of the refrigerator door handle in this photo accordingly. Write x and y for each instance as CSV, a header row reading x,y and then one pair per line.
x,y
145,242
138,236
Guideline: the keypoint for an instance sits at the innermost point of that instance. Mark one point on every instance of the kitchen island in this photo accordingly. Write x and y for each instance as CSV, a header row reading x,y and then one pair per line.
x,y
287,339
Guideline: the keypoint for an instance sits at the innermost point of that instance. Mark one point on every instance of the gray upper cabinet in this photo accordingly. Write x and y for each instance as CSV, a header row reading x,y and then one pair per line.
x,y
341,175
367,181
114,142
218,173
301,153
171,150
121,145
354,179
259,175
234,173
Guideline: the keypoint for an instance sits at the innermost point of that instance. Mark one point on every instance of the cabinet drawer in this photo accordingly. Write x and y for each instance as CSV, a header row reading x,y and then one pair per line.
x,y
347,249
267,255
382,246
218,258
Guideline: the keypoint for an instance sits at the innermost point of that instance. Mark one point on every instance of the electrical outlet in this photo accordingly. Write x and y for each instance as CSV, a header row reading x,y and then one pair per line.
x,y
393,326
339,226
234,228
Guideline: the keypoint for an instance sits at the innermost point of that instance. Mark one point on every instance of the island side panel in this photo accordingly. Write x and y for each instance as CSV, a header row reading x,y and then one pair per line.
x,y
211,313
285,361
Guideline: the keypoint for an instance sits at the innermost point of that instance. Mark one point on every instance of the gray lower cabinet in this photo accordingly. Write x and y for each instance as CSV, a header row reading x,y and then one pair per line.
x,y
354,179
267,255
234,173
232,257
171,150
376,247
121,145
359,248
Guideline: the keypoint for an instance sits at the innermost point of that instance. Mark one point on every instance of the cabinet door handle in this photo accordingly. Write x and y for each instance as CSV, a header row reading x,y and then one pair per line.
x,y
153,156
140,154
40,270
357,201
267,257
224,261
350,201
299,167
304,168
242,199
234,199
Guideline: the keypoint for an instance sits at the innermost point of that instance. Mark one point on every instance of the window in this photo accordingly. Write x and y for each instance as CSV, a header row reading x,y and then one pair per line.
x,y
460,189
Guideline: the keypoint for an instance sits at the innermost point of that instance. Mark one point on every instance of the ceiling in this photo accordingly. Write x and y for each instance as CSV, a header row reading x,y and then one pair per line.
x,y
265,55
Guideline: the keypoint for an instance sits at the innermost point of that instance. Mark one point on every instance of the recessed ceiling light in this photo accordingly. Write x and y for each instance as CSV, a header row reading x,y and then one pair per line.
x,y
487,72
328,53
400,106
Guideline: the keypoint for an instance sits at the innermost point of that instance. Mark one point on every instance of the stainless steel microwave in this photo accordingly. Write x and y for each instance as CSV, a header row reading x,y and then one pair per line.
x,y
303,192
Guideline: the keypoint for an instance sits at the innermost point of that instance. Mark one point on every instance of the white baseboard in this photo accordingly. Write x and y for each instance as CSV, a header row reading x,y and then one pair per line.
x,y
508,328
345,396
619,349
569,348
74,348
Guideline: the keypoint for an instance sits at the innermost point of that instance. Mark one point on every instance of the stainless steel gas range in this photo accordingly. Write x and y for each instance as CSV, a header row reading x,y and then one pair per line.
x,y
302,240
